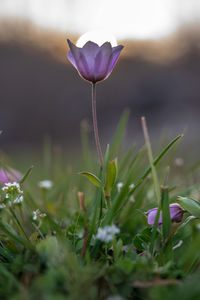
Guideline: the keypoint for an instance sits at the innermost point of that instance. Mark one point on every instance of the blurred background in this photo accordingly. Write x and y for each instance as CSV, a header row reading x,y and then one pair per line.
x,y
157,75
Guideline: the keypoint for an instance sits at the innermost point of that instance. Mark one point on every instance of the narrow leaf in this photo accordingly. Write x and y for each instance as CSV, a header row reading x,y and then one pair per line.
x,y
93,178
166,221
26,175
111,176
191,205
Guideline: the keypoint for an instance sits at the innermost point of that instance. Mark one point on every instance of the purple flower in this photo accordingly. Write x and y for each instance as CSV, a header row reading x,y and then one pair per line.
x,y
9,175
94,63
176,214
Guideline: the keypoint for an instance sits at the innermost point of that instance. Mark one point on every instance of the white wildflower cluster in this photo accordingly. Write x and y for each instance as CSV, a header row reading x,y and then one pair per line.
x,y
18,200
106,234
12,192
45,184
10,188
37,214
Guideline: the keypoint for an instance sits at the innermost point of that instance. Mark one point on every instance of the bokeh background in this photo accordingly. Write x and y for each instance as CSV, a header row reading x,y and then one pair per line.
x,y
157,75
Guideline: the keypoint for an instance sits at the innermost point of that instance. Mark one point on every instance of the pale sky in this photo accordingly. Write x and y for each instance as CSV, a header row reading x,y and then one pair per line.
x,y
140,19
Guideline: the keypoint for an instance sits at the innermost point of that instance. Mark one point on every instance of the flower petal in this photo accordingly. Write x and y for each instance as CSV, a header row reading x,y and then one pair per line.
x,y
176,213
115,54
90,51
152,216
3,177
71,59
79,61
102,61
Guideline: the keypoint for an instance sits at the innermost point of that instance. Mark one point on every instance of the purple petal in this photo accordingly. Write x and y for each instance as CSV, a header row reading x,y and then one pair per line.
x,y
90,51
3,177
71,59
152,216
93,63
79,61
115,54
176,213
74,52
9,175
102,61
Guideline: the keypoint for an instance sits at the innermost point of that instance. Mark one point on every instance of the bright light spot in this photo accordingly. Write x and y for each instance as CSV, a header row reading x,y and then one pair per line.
x,y
98,37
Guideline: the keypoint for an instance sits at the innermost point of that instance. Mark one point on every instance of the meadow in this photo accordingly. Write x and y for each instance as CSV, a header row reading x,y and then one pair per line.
x,y
61,254
112,225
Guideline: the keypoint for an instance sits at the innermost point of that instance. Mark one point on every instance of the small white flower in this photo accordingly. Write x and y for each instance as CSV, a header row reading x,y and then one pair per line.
x,y
106,234
132,199
10,188
131,186
37,214
2,205
179,162
45,184
119,186
18,200
112,229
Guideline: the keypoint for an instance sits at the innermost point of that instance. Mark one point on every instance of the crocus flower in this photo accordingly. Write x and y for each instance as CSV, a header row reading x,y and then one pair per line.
x,y
176,214
94,63
9,175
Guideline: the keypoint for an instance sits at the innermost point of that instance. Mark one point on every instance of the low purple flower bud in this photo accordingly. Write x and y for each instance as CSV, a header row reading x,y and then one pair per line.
x,y
176,214
94,63
9,175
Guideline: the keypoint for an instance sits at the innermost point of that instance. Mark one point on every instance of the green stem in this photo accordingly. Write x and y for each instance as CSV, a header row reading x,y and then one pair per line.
x,y
96,133
151,161
18,222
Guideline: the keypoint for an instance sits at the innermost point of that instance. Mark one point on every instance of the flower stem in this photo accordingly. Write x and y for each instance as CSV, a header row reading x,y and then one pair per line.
x,y
18,223
96,134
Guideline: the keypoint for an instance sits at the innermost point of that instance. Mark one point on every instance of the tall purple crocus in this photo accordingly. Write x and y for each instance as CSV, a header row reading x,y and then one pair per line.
x,y
94,63
9,175
176,214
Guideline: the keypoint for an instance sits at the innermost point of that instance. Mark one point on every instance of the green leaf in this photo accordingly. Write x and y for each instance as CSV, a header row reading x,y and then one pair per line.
x,y
166,220
111,176
26,175
93,178
9,232
191,205
118,248
146,235
143,239
138,243
187,221
117,201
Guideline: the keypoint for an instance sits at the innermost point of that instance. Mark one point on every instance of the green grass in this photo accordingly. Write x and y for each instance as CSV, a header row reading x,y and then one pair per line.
x,y
46,259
